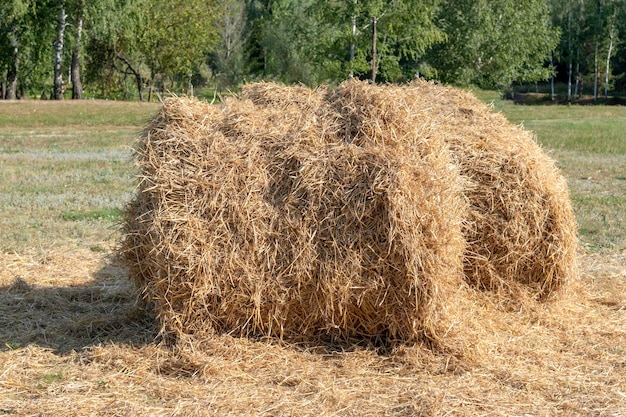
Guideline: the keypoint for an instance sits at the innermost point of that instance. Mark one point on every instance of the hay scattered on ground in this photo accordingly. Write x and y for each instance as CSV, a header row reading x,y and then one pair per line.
x,y
68,299
567,358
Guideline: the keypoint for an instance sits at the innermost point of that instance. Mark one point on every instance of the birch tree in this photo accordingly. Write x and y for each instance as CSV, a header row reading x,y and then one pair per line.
x,y
79,18
58,88
602,34
229,56
612,35
12,25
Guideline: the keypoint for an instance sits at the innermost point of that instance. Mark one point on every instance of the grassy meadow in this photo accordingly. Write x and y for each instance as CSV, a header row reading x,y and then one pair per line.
x,y
66,168
74,343
66,171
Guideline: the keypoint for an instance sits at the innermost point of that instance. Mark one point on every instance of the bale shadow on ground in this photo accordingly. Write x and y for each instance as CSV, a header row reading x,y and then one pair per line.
x,y
73,317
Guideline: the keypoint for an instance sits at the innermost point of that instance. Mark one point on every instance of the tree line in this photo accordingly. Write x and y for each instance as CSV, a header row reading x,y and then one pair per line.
x,y
127,49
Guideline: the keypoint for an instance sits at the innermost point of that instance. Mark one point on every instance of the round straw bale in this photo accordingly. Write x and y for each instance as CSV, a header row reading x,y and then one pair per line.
x,y
297,213
520,229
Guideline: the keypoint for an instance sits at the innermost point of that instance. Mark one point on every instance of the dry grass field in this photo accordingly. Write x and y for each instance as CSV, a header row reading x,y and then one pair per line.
x,y
73,342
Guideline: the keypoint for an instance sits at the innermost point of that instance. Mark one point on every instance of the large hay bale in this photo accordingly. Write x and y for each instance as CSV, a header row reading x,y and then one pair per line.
x,y
345,214
288,212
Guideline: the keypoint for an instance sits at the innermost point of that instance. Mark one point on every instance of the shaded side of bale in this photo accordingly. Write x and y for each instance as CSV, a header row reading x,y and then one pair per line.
x,y
520,229
259,218
155,240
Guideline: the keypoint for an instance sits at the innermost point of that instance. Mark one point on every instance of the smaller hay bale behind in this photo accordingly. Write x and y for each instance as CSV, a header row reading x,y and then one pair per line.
x,y
521,230
278,214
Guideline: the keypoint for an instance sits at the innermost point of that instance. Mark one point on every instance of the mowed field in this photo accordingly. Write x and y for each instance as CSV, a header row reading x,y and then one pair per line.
x,y
74,343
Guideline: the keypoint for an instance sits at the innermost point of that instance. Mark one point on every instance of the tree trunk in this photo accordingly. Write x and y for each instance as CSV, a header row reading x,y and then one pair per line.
x,y
139,82
374,21
131,70
608,63
595,75
595,54
58,87
352,46
569,81
581,18
77,85
552,77
570,54
13,72
352,40
577,81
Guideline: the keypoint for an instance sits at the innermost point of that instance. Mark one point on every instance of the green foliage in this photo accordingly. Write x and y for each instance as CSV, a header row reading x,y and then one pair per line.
x,y
115,63
405,30
132,43
491,43
129,45
13,10
178,34
283,37
229,56
23,26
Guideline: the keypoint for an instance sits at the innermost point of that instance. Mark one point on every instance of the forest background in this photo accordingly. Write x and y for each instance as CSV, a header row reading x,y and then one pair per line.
x,y
138,49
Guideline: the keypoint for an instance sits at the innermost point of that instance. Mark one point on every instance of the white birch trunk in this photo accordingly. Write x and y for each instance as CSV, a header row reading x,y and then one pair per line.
x,y
570,52
608,62
58,87
12,73
595,75
77,85
552,77
352,47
